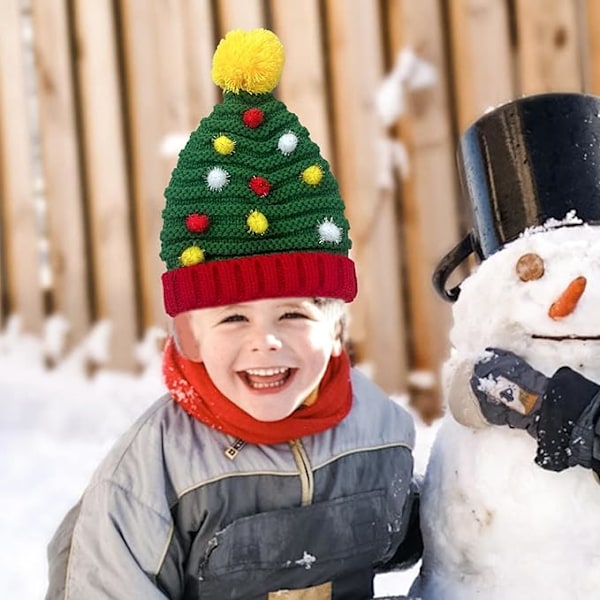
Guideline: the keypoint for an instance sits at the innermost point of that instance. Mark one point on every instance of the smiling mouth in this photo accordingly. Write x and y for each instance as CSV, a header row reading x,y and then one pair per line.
x,y
563,338
269,379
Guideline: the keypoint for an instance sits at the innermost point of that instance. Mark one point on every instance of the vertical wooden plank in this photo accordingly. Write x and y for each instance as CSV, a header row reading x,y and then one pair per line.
x,y
20,225
200,44
3,265
63,189
549,55
151,111
591,18
144,104
171,66
106,175
429,192
168,49
479,36
303,86
240,14
356,70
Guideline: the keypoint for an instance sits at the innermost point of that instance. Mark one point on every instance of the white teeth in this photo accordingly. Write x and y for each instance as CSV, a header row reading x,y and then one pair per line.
x,y
260,386
267,372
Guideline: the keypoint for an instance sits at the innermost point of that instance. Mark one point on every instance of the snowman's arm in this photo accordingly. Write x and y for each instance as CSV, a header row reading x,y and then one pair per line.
x,y
462,402
495,388
568,430
586,438
508,389
561,412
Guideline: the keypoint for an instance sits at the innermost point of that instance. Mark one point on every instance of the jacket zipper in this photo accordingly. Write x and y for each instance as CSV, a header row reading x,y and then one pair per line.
x,y
235,448
304,470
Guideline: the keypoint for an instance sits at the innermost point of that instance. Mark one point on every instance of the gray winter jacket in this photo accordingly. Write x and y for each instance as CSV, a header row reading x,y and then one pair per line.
x,y
180,510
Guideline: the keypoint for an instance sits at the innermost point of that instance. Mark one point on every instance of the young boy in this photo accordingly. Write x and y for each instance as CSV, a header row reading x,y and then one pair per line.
x,y
272,469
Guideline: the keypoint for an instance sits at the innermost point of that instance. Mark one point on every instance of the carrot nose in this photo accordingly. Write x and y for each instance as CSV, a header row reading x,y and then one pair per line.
x,y
565,304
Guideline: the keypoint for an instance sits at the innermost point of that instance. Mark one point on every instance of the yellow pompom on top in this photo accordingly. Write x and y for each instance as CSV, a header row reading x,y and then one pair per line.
x,y
248,61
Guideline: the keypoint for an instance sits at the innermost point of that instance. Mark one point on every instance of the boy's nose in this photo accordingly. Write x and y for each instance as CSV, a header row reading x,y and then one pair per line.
x,y
265,341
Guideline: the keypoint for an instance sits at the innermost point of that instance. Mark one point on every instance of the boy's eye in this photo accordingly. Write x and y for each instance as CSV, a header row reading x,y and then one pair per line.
x,y
293,315
234,319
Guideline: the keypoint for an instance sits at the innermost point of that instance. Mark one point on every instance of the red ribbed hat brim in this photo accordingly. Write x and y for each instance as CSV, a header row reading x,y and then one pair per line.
x,y
285,275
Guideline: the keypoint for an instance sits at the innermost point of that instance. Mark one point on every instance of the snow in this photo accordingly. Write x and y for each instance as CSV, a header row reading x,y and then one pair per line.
x,y
410,74
570,218
55,427
495,524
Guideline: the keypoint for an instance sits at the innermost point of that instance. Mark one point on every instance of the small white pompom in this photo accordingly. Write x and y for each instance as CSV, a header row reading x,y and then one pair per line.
x,y
217,179
287,143
329,232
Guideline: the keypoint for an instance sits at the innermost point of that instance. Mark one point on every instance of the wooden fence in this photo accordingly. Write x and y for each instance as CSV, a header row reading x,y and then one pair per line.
x,y
96,94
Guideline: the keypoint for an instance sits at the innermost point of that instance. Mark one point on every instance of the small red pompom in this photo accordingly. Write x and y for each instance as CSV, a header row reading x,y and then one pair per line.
x,y
260,186
197,223
253,117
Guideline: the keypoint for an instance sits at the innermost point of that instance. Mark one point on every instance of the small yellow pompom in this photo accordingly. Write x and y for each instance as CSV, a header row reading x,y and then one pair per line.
x,y
257,222
223,145
192,256
312,175
249,61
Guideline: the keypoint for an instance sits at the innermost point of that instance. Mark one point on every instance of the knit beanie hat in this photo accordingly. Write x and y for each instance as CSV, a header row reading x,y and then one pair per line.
x,y
252,209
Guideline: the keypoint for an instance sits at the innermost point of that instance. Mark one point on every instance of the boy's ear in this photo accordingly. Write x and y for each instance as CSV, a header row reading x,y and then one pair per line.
x,y
338,342
186,341
338,346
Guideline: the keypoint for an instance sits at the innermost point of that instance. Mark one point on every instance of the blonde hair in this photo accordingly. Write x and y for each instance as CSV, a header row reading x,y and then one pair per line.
x,y
337,311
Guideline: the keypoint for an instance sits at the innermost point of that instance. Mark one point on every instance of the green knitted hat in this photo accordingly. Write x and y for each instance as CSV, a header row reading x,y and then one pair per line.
x,y
252,209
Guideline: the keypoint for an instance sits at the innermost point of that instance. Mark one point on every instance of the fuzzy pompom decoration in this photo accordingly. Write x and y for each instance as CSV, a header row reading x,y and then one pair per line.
x,y
287,143
193,255
248,61
257,222
329,232
217,179
223,145
312,175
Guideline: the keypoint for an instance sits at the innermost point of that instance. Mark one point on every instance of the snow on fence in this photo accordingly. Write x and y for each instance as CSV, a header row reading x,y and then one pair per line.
x,y
96,98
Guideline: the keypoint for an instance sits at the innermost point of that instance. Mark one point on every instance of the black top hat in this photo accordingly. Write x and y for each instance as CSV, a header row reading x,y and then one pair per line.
x,y
521,164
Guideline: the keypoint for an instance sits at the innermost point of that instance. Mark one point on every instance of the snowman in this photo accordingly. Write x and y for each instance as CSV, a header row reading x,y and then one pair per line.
x,y
511,497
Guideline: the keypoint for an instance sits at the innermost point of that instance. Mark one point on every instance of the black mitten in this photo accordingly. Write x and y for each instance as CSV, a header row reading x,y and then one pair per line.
x,y
567,424
585,438
508,389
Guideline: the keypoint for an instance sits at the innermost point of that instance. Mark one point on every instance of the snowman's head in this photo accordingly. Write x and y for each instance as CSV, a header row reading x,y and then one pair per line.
x,y
507,301
521,164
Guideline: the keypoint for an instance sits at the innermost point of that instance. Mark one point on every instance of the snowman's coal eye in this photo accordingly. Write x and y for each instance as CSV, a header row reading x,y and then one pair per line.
x,y
530,266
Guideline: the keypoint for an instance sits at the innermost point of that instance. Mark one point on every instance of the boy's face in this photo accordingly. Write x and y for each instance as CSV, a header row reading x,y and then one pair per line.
x,y
266,356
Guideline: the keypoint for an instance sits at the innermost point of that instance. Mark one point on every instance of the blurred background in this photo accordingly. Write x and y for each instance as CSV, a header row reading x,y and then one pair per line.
x,y
98,96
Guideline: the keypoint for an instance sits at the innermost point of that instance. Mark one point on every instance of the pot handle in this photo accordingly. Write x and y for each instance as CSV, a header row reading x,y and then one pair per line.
x,y
447,266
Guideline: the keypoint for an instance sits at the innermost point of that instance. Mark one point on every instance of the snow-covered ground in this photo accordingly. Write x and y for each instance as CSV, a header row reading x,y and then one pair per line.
x,y
55,427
